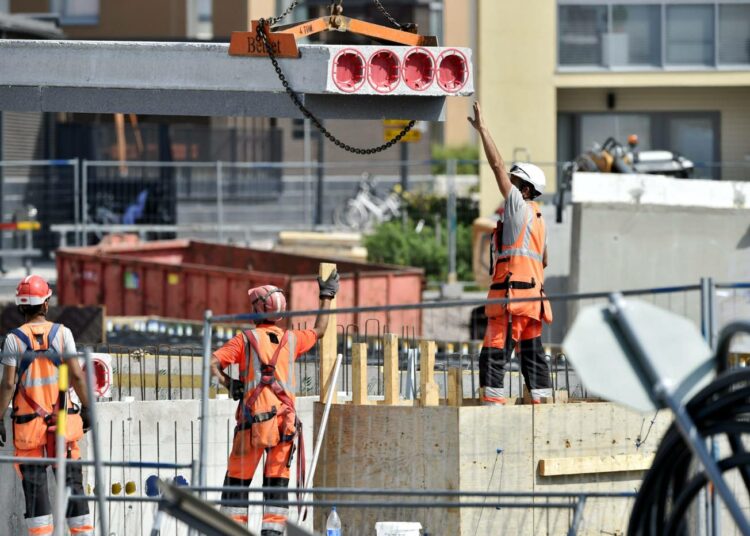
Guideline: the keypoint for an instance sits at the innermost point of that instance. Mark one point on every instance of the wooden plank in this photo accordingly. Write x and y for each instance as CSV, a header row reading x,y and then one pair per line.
x,y
305,238
429,394
391,447
328,343
581,465
455,387
390,369
359,374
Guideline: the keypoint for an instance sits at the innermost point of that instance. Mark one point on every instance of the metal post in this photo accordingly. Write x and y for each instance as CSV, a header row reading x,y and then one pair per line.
x,y
2,194
321,433
205,375
708,291
100,490
76,200
61,445
321,176
577,516
662,395
84,203
220,200
404,166
452,220
307,151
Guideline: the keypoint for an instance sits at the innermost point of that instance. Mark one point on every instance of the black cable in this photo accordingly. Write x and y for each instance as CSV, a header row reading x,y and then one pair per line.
x,y
722,409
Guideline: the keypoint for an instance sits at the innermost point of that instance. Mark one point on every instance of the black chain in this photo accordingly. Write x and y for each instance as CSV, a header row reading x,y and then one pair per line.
x,y
385,13
273,20
262,35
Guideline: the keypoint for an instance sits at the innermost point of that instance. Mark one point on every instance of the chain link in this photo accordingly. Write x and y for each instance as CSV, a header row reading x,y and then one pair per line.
x,y
385,13
274,20
262,35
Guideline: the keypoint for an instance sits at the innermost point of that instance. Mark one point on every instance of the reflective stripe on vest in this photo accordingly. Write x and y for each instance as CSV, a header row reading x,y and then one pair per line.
x,y
522,248
251,358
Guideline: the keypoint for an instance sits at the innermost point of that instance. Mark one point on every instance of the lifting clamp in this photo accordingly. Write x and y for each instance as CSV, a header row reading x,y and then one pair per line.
x,y
283,39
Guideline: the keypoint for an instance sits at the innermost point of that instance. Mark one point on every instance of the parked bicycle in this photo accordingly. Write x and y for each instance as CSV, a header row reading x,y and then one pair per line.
x,y
366,209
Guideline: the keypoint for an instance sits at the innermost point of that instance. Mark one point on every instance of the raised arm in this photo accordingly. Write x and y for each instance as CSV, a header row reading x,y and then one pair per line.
x,y
490,149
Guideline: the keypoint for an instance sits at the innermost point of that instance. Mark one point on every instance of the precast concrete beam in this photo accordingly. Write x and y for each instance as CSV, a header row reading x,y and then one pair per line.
x,y
202,79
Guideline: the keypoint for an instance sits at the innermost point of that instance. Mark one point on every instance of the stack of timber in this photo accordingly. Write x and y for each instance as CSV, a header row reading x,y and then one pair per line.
x,y
339,245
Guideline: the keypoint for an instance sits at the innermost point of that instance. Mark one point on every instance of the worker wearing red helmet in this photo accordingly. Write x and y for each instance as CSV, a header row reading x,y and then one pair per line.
x,y
31,357
266,416
519,256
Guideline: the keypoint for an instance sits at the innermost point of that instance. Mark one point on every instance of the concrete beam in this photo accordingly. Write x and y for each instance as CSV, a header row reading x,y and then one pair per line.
x,y
185,79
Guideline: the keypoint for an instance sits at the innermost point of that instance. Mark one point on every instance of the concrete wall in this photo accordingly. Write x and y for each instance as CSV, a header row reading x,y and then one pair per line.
x,y
150,431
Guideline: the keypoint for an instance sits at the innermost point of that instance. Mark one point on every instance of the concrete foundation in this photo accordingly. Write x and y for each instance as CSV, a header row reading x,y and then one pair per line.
x,y
474,448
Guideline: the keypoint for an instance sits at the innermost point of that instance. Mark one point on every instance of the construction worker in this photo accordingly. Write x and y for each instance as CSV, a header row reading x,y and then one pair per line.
x,y
266,417
518,259
31,357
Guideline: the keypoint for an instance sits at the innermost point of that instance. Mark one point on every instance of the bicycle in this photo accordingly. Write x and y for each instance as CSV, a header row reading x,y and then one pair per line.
x,y
366,209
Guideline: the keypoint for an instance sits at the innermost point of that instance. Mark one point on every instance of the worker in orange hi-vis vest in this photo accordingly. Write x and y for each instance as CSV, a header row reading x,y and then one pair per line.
x,y
31,358
266,416
518,258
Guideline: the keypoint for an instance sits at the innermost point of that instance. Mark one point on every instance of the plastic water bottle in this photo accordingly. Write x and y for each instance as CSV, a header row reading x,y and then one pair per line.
x,y
333,525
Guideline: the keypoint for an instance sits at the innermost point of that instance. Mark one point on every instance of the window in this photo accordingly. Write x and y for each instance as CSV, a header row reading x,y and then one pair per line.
x,y
582,29
690,34
694,135
734,34
636,35
80,12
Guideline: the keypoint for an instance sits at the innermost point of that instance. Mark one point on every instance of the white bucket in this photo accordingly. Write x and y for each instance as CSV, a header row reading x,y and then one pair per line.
x,y
397,528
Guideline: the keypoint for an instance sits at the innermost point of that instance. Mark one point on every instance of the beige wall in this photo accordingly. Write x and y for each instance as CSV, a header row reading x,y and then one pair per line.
x,y
732,103
458,23
517,51
135,19
235,15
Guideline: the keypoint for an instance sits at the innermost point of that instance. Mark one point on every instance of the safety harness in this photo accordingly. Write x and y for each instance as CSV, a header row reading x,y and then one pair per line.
x,y
46,351
268,380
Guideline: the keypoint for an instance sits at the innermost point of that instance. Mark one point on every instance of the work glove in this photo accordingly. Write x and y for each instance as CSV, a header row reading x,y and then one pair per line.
x,y
329,287
3,433
85,418
236,389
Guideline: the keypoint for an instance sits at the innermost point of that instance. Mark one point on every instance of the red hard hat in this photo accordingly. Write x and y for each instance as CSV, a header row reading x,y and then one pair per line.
x,y
267,299
32,290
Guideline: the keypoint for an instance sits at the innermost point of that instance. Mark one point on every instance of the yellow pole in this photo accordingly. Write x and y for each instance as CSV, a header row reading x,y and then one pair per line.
x,y
61,499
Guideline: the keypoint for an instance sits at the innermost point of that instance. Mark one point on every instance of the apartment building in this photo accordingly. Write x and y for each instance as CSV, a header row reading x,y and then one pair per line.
x,y
556,76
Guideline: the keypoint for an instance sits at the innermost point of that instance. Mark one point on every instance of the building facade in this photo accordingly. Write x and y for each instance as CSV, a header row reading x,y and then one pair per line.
x,y
558,76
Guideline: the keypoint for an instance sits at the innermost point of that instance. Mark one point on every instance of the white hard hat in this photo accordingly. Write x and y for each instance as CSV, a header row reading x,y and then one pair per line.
x,y
531,174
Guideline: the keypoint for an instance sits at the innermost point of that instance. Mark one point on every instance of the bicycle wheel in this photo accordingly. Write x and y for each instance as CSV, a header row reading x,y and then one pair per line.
x,y
355,216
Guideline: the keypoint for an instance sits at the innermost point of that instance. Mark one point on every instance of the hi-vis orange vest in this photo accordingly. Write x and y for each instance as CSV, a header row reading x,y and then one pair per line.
x,y
518,270
35,402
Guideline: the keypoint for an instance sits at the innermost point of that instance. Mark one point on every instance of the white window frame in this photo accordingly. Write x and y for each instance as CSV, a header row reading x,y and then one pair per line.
x,y
663,67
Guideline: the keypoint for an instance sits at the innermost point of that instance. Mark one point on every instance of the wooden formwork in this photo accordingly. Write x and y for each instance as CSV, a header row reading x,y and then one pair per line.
x,y
454,443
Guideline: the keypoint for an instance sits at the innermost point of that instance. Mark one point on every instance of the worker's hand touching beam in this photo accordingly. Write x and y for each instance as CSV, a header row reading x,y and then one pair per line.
x,y
490,149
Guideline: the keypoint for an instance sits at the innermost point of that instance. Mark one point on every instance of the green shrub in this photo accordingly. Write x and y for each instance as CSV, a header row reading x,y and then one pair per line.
x,y
397,243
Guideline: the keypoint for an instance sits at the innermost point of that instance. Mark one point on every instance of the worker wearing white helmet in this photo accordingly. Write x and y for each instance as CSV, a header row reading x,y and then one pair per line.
x,y
517,262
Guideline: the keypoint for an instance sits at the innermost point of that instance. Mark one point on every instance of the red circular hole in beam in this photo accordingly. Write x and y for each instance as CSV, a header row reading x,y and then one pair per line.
x,y
348,70
453,71
383,71
419,69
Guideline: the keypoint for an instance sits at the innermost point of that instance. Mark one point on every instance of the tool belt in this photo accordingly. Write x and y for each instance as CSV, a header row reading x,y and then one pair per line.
x,y
50,420
518,285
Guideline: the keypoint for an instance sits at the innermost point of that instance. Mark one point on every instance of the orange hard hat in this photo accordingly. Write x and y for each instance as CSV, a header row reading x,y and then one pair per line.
x,y
267,299
633,139
32,290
